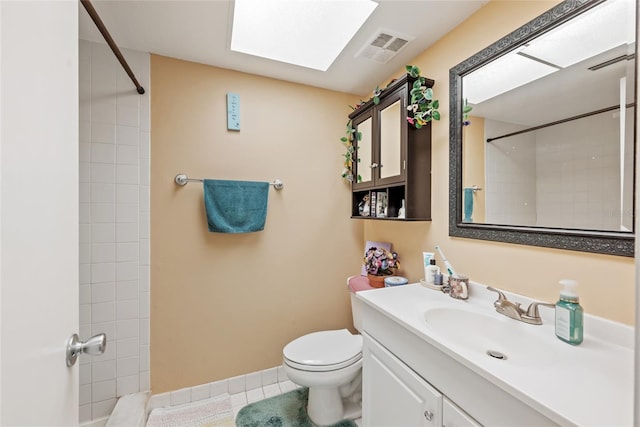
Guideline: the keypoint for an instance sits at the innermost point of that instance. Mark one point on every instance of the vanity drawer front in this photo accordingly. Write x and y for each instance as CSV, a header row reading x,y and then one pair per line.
x,y
393,394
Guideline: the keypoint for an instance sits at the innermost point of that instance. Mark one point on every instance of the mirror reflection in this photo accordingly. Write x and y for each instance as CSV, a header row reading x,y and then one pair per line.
x,y
549,140
364,149
545,156
390,121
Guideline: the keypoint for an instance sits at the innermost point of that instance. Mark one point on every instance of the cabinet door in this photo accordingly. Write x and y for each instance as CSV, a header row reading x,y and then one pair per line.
x,y
392,124
452,416
364,160
393,395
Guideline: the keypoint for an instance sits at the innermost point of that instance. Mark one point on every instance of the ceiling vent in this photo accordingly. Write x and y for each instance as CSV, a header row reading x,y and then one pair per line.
x,y
383,46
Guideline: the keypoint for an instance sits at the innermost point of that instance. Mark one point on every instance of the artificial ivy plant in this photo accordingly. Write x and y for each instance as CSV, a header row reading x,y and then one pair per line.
x,y
423,109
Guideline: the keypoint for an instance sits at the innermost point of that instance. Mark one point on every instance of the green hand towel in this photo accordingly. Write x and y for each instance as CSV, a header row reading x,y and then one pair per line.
x,y
235,206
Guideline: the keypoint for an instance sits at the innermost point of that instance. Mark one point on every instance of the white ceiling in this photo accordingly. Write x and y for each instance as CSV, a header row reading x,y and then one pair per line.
x,y
200,31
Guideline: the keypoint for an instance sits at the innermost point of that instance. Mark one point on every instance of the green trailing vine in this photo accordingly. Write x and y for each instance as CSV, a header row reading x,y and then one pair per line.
x,y
422,110
348,141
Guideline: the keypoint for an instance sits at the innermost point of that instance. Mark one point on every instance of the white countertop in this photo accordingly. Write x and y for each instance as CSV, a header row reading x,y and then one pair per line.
x,y
586,385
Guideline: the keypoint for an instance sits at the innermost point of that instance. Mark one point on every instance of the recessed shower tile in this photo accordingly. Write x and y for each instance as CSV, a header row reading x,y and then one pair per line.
x,y
85,152
103,133
127,309
85,294
103,292
127,212
127,135
84,173
103,252
127,174
126,271
103,390
128,347
84,413
85,233
128,328
103,212
85,213
127,115
145,145
103,193
145,305
127,251
127,193
145,381
85,274
127,154
103,312
127,290
85,253
144,358
103,233
127,385
103,153
102,409
103,371
127,232
103,272
103,173
103,112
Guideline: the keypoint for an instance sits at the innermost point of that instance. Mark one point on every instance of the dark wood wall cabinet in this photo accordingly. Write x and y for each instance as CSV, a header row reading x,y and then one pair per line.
x,y
392,158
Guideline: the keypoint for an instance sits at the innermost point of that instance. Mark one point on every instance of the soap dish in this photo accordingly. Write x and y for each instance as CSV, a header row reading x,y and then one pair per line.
x,y
430,286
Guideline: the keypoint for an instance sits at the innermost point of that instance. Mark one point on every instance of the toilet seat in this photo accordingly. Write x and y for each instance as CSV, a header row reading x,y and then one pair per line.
x,y
324,351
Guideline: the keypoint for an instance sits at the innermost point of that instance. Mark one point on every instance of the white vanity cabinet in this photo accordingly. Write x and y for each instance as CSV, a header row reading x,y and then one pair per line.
x,y
395,395
452,416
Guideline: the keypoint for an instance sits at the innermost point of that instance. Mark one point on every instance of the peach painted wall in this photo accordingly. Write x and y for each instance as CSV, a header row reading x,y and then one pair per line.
x,y
225,304
606,282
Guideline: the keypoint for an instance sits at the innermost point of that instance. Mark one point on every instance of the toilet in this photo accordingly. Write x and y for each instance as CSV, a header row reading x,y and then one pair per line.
x,y
329,363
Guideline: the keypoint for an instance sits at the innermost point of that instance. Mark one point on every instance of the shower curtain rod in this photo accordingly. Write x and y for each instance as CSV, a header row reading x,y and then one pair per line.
x,y
107,37
557,122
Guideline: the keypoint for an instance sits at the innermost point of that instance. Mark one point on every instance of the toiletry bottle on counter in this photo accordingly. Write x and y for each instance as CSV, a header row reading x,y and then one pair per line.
x,y
431,271
569,314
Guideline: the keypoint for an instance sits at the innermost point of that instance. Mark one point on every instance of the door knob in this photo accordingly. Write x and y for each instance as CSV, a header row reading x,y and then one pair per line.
x,y
94,345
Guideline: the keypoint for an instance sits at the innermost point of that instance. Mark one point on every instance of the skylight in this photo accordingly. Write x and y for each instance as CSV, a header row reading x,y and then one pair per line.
x,y
308,33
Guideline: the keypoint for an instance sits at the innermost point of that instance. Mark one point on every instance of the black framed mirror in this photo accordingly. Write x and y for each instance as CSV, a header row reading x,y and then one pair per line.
x,y
545,156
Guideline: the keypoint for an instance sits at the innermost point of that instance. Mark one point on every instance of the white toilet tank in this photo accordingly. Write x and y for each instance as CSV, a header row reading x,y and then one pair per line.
x,y
357,284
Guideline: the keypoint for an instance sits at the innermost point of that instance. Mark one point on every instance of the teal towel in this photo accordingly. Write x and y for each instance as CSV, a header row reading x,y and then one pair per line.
x,y
235,206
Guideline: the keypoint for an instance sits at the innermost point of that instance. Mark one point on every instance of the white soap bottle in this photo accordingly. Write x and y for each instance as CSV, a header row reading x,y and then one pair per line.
x,y
401,210
431,271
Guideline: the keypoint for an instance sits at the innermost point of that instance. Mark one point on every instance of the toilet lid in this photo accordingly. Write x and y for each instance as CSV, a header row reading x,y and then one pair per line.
x,y
325,350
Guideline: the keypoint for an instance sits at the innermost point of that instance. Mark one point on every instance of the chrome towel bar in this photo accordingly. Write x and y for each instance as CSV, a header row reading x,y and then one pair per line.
x,y
182,180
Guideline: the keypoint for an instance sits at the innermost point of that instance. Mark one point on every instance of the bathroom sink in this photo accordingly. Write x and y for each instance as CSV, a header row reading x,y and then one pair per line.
x,y
496,337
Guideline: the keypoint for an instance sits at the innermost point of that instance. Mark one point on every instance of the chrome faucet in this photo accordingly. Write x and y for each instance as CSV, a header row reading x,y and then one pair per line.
x,y
515,311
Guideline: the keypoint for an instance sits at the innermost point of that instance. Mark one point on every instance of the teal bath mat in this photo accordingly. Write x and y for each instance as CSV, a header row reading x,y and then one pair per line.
x,y
286,410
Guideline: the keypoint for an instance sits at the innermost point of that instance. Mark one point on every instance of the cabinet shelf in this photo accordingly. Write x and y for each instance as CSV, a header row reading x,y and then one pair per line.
x,y
392,158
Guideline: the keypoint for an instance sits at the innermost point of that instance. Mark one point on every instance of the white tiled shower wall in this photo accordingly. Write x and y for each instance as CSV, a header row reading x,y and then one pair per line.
x,y
567,175
114,226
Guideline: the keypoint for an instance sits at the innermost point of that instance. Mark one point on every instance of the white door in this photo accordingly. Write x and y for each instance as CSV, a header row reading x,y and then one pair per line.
x,y
38,211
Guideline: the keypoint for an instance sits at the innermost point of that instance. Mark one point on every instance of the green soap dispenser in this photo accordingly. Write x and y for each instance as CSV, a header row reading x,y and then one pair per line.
x,y
569,314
